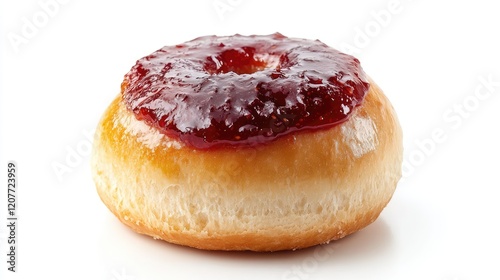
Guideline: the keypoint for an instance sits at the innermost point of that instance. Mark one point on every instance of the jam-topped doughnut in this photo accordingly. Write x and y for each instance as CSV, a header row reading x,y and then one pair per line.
x,y
243,90
258,143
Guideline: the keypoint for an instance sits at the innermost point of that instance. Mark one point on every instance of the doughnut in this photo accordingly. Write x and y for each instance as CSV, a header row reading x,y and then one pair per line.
x,y
260,143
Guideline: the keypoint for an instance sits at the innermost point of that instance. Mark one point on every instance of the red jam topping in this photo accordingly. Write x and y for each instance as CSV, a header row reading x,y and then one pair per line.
x,y
243,90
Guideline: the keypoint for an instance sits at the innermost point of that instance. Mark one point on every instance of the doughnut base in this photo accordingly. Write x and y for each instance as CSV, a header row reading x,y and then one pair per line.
x,y
298,191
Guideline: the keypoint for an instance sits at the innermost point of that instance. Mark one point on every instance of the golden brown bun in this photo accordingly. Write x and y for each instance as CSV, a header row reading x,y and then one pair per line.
x,y
298,191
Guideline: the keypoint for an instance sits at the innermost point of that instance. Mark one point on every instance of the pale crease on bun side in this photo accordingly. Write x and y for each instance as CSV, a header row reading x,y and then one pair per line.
x,y
298,191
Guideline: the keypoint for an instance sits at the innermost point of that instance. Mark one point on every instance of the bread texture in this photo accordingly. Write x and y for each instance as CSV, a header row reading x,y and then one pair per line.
x,y
301,190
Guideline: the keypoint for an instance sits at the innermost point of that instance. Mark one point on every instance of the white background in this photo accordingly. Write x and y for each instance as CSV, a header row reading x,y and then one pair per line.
x,y
430,58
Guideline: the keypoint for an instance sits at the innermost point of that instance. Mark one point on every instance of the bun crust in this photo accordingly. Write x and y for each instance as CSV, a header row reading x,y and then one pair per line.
x,y
301,190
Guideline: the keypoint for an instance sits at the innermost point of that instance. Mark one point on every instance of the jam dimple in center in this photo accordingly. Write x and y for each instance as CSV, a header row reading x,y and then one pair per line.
x,y
240,61
243,90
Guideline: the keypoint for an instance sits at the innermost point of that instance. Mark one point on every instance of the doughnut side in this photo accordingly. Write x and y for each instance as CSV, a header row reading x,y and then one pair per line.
x,y
298,191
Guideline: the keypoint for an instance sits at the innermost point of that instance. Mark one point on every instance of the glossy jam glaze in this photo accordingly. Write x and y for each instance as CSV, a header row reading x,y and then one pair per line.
x,y
243,90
